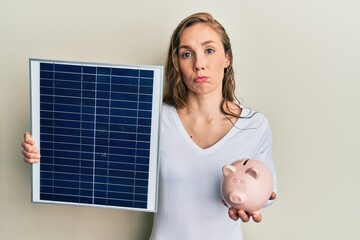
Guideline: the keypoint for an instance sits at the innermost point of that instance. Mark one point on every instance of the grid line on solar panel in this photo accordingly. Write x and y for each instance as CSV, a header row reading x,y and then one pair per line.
x,y
118,157
74,168
70,147
75,163
127,182
117,111
89,141
48,74
111,195
117,137
67,88
129,135
66,123
50,189
127,104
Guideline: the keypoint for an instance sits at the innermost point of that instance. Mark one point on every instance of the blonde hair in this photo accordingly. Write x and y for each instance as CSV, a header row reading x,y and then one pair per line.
x,y
175,90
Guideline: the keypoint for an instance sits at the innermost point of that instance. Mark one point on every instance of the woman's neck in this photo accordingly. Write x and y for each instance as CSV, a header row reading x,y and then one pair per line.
x,y
205,107
204,121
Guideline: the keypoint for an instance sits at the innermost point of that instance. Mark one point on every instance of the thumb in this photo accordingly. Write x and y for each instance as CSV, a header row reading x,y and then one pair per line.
x,y
28,139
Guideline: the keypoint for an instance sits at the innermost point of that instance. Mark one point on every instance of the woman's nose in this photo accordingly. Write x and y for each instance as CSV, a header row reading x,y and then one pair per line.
x,y
199,63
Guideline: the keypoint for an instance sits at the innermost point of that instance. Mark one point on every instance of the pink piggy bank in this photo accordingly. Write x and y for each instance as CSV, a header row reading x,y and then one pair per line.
x,y
247,185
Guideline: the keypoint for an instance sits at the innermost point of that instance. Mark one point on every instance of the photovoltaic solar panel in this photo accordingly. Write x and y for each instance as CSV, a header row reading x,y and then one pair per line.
x,y
97,127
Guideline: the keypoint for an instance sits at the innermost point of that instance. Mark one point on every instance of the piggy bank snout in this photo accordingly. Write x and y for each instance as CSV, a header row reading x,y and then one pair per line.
x,y
236,197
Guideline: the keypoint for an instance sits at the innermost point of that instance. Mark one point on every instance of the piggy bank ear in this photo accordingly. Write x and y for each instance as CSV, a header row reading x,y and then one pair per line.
x,y
228,169
252,172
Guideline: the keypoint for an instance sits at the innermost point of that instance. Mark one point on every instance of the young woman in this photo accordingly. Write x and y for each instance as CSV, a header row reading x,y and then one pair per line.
x,y
203,128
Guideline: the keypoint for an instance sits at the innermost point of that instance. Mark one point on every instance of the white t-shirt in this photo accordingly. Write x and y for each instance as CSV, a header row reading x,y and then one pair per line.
x,y
189,206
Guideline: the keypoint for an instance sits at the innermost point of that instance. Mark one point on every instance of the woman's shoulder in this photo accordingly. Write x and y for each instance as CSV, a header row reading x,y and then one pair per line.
x,y
166,108
251,119
168,111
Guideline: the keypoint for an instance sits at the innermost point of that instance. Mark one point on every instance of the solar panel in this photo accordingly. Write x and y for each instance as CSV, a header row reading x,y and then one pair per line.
x,y
97,127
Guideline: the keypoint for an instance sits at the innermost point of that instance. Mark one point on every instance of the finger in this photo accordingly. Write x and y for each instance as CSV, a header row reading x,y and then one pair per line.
x,y
257,217
232,214
243,215
31,160
28,139
30,155
272,196
29,148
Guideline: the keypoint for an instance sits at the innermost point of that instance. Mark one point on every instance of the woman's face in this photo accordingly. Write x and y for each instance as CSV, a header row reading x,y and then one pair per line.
x,y
202,59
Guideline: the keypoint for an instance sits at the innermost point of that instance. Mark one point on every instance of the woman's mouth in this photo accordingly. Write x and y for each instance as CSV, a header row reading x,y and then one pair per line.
x,y
201,79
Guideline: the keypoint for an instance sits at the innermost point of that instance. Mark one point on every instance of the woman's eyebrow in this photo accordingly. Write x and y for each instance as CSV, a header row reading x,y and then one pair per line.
x,y
202,44
184,46
207,42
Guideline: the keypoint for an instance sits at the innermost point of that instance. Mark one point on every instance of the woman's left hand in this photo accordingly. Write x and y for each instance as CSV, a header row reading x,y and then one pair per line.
x,y
235,214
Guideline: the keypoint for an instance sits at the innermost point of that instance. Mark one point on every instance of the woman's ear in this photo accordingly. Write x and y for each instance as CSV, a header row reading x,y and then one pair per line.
x,y
227,59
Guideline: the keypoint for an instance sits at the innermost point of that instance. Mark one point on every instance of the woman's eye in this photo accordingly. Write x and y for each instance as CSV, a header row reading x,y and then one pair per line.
x,y
209,50
186,55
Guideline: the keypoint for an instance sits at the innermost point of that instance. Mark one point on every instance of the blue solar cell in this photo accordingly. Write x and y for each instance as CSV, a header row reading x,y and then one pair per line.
x,y
144,121
103,79
141,190
47,66
87,125
145,98
141,183
119,181
143,137
46,99
67,68
124,159
146,82
124,112
104,70
144,114
124,96
67,76
90,79
123,104
63,108
145,90
87,69
64,92
146,73
140,197
66,198
143,145
142,160
87,102
46,75
66,116
104,95
46,83
125,72
67,100
145,106
46,91
102,103
116,80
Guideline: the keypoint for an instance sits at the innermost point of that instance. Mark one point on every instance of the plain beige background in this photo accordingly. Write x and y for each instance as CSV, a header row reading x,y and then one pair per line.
x,y
297,61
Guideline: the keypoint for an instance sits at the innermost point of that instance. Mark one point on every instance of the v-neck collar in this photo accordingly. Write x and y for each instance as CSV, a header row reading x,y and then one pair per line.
x,y
234,129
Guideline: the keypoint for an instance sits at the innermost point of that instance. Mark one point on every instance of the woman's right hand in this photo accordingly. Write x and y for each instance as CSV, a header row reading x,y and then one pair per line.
x,y
30,152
